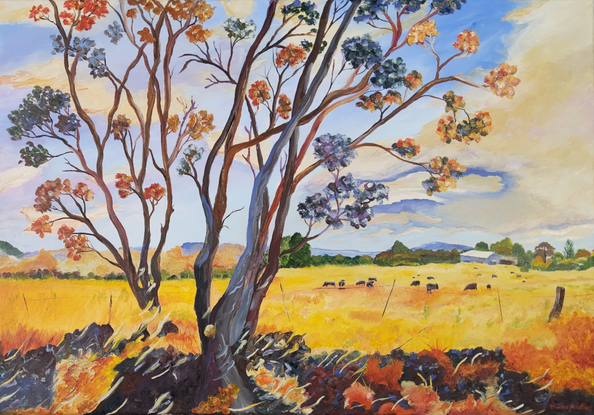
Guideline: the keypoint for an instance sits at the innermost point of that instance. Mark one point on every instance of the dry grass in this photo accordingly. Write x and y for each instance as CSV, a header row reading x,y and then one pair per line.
x,y
332,318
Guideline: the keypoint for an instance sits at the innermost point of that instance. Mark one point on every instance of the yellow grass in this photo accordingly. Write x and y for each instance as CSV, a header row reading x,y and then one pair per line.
x,y
332,318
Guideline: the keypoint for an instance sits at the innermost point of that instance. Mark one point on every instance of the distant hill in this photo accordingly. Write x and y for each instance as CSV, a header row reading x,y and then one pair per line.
x,y
344,252
191,248
8,249
436,246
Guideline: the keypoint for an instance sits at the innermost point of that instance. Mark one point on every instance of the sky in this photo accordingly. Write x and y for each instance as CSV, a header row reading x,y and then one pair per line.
x,y
531,179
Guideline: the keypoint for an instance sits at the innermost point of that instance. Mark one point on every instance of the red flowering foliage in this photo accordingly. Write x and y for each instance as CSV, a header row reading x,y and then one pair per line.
x,y
259,92
292,55
50,192
154,193
146,35
413,80
501,80
41,226
358,395
65,232
76,244
467,42
38,12
376,101
83,14
124,185
120,126
471,129
219,403
284,106
406,148
389,375
82,191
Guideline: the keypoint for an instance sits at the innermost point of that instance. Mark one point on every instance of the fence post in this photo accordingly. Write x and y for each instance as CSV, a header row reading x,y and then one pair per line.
x,y
26,306
558,307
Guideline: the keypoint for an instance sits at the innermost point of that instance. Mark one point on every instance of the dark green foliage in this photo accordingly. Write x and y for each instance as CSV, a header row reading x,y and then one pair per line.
x,y
569,249
390,259
9,249
221,274
298,259
518,251
503,247
481,246
400,248
419,257
34,156
187,275
321,260
114,277
526,260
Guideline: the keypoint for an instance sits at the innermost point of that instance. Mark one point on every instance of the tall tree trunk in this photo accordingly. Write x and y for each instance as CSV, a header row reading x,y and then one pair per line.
x,y
230,314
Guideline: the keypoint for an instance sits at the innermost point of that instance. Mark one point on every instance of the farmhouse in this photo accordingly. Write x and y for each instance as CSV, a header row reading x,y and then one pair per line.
x,y
480,257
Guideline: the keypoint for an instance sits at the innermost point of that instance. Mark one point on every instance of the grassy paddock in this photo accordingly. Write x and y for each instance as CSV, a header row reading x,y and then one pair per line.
x,y
332,318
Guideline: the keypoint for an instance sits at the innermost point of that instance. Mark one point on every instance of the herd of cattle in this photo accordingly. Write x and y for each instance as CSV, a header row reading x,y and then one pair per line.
x,y
416,283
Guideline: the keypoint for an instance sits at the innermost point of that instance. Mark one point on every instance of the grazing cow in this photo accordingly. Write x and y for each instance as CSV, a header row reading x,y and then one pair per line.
x,y
518,275
470,286
369,284
524,281
475,268
341,283
478,275
493,276
488,286
360,282
431,287
415,283
430,278
329,284
372,279
512,272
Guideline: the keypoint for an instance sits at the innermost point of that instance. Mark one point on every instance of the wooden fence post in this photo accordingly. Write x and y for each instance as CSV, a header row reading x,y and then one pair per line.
x,y
560,297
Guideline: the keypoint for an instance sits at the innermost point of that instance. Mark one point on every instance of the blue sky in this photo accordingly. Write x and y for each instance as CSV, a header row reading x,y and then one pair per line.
x,y
530,179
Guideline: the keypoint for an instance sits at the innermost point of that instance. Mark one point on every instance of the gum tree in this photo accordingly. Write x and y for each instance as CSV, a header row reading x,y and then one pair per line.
x,y
151,137
285,106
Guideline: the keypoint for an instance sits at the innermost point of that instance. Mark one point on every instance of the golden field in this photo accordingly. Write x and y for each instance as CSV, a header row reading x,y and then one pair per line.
x,y
350,318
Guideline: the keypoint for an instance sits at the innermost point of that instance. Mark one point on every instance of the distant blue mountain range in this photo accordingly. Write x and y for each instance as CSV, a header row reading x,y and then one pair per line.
x,y
436,246
191,248
345,252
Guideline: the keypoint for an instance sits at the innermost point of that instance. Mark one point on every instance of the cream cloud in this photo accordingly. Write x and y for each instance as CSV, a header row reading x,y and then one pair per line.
x,y
17,177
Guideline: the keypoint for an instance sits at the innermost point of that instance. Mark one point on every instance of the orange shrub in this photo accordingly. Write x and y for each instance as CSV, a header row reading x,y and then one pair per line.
x,y
570,362
388,375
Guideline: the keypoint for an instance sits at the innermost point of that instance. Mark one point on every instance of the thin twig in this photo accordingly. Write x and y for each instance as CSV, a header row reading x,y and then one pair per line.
x,y
394,283
283,294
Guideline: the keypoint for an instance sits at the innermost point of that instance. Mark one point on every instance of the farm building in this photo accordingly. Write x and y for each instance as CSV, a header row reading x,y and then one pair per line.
x,y
480,257
509,260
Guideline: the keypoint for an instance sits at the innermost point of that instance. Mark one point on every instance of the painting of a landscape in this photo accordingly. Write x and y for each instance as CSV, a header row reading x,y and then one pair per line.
x,y
286,206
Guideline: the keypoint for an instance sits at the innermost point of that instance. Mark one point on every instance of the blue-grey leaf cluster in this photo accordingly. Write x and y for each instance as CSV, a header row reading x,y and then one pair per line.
x,y
334,150
316,207
36,111
361,50
85,48
239,29
305,10
191,155
390,74
114,32
447,6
